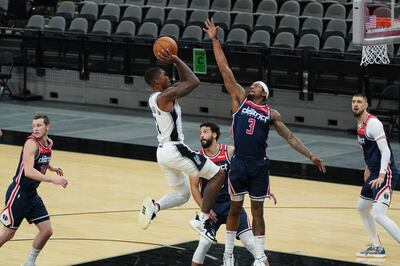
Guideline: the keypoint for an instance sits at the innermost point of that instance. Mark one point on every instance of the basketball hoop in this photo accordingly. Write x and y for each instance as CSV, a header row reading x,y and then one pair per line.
x,y
374,54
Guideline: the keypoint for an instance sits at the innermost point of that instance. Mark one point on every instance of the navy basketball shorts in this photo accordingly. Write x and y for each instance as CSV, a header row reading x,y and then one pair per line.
x,y
222,211
384,192
22,204
249,176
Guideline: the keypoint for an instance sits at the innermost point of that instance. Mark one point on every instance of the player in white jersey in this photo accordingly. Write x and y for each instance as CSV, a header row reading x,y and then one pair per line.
x,y
177,160
380,176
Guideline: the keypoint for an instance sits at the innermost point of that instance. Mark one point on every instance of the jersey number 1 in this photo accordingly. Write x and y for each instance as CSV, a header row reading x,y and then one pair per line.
x,y
252,123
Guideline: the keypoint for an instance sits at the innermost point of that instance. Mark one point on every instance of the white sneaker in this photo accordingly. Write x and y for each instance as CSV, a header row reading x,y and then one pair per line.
x,y
205,229
372,252
229,260
261,261
147,213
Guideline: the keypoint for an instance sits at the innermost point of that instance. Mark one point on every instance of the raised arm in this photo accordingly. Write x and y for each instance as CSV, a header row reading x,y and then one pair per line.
x,y
30,149
188,82
293,141
236,91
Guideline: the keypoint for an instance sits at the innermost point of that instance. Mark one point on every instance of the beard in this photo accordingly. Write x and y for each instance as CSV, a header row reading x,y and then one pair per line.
x,y
358,113
206,143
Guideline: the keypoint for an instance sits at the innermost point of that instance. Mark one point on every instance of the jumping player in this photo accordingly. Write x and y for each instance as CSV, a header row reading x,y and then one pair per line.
x,y
249,166
22,199
380,176
176,159
221,155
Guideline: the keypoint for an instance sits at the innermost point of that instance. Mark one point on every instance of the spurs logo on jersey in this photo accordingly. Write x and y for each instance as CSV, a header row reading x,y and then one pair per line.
x,y
168,124
222,160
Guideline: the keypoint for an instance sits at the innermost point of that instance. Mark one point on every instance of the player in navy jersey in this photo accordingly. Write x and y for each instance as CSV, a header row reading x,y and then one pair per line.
x,y
176,159
22,199
221,155
380,176
249,172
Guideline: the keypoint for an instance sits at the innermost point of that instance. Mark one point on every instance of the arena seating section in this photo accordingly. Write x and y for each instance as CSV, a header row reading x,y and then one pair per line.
x,y
295,45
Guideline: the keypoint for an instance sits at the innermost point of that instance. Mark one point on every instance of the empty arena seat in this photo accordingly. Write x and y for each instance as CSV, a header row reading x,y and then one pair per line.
x,y
335,27
56,26
237,37
198,17
266,22
334,44
260,38
200,4
89,11
222,5
177,16
335,11
125,29
289,24
267,7
244,21
222,19
284,40
135,2
78,26
171,30
159,3
313,9
66,10
156,15
309,42
111,12
312,26
290,8
243,6
192,33
148,30
133,13
35,23
178,4
102,27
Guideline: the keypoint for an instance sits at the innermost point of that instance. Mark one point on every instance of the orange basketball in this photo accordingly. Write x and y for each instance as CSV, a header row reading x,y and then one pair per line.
x,y
165,42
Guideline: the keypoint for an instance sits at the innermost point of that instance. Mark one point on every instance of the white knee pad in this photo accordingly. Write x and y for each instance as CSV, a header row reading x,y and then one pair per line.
x,y
379,212
364,206
201,251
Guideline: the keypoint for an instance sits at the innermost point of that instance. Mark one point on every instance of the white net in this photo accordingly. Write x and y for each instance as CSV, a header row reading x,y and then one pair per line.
x,y
374,54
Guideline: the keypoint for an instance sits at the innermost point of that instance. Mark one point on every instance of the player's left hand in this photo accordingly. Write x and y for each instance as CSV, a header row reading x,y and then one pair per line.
x,y
318,162
272,196
57,169
377,182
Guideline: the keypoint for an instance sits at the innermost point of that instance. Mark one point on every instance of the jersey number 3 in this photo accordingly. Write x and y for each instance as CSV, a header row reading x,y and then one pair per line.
x,y
252,123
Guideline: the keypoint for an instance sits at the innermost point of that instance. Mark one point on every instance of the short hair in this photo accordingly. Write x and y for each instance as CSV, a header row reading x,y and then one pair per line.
x,y
361,94
151,74
42,116
214,128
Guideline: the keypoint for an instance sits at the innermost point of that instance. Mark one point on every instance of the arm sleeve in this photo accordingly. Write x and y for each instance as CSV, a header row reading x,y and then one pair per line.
x,y
375,131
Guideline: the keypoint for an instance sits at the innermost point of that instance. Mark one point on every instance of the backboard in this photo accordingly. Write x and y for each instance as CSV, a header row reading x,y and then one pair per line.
x,y
376,22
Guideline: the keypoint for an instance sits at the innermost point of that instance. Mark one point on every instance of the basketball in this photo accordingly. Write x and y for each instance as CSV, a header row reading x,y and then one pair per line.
x,y
165,42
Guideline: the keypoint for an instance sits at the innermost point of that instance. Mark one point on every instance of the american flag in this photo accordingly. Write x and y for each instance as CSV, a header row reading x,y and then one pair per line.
x,y
370,22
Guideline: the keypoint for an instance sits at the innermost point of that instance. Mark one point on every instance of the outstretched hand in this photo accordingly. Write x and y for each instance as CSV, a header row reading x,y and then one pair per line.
x,y
165,56
211,29
319,163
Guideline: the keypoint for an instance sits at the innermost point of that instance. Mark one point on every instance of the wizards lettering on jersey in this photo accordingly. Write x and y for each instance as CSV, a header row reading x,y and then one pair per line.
x,y
41,163
250,129
249,111
222,160
370,149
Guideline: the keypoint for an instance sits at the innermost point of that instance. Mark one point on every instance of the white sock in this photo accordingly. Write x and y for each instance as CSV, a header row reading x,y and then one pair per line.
x,y
379,212
32,256
247,239
229,241
364,209
259,242
157,205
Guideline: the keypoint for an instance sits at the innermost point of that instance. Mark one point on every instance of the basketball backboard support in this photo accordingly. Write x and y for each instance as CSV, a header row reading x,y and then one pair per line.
x,y
376,22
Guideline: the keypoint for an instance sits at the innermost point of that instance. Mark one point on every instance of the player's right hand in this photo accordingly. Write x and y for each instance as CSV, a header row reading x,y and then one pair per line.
x,y
211,29
166,56
60,181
